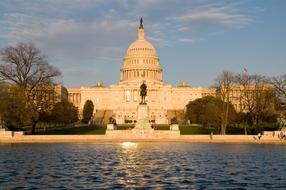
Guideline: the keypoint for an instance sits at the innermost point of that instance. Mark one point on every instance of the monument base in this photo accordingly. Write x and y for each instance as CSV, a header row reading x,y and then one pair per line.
x,y
142,119
174,127
143,129
142,134
111,127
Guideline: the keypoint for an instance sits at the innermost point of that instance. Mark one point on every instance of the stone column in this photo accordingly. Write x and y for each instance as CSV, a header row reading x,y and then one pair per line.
x,y
78,98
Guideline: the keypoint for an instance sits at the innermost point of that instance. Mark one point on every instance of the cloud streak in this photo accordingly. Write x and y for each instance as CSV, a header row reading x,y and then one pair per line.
x,y
100,37
215,15
186,40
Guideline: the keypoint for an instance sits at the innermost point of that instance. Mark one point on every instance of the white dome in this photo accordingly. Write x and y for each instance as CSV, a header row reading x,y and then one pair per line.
x,y
141,61
141,47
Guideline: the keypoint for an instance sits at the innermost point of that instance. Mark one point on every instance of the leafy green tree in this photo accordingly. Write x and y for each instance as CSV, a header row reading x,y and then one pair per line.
x,y
65,113
208,111
14,109
87,111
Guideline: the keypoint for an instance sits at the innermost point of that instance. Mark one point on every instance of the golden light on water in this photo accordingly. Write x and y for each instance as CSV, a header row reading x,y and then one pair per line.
x,y
129,145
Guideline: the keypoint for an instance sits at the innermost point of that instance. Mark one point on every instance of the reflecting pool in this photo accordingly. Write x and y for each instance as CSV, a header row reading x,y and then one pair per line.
x,y
142,165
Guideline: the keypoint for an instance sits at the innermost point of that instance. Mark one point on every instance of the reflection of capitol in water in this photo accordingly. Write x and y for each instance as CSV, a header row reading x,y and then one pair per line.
x,y
141,63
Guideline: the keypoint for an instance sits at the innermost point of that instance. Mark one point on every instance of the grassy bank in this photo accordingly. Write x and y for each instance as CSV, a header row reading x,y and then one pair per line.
x,y
80,130
197,130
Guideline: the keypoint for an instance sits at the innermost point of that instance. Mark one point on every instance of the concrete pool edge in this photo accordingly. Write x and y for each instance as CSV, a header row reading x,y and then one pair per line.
x,y
242,139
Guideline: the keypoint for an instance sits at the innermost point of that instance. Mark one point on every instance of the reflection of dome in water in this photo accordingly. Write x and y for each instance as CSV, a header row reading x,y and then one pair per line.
x,y
141,61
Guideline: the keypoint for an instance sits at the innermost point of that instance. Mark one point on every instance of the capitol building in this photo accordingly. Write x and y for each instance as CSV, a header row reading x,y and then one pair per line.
x,y
121,101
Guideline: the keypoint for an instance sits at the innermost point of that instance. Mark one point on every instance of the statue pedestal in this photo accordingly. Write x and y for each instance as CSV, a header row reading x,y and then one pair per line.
x,y
111,127
174,127
142,112
142,125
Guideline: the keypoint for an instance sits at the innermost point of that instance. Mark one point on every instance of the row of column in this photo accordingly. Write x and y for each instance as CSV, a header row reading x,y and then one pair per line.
x,y
74,98
143,61
151,74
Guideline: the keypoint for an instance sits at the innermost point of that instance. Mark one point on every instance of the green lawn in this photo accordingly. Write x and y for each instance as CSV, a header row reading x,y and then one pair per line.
x,y
125,126
161,127
198,130
81,130
195,130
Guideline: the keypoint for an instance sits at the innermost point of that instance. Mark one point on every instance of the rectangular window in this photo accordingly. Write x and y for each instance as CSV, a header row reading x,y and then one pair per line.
x,y
127,95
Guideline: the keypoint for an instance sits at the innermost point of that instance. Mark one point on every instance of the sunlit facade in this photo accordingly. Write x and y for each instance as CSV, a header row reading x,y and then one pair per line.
x,y
141,63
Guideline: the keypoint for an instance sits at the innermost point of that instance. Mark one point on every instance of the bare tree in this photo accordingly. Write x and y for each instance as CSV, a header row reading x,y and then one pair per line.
x,y
224,83
279,83
256,96
25,66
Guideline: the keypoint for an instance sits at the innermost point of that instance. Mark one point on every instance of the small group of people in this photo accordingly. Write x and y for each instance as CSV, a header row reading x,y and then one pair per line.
x,y
259,136
282,135
112,120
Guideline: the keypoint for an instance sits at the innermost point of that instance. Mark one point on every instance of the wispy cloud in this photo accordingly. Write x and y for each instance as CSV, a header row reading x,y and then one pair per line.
x,y
212,17
68,38
154,2
215,15
186,40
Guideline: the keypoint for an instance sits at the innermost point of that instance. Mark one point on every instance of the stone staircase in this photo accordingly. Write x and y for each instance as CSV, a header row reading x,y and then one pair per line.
x,y
102,116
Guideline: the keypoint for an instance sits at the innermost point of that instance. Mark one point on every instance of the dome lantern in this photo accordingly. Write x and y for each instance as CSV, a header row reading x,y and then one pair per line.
x,y
141,34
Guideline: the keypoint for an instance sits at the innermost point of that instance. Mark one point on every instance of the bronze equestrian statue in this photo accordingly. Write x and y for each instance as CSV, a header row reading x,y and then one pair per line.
x,y
143,92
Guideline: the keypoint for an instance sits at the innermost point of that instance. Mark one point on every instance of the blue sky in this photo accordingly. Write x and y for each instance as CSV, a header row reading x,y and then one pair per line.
x,y
195,39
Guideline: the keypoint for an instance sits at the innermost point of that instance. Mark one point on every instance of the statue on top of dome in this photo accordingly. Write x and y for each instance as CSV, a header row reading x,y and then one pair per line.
x,y
141,23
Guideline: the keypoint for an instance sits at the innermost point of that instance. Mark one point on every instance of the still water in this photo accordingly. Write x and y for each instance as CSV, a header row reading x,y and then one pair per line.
x,y
142,165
